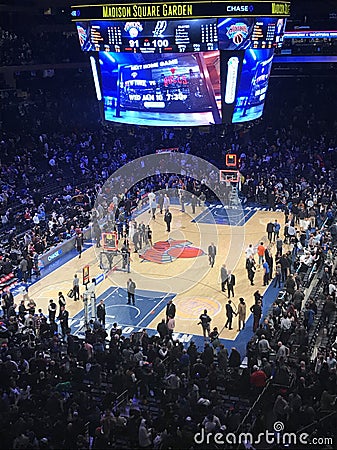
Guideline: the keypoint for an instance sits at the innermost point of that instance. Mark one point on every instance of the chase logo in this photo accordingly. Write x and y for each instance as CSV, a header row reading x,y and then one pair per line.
x,y
251,8
237,8
55,255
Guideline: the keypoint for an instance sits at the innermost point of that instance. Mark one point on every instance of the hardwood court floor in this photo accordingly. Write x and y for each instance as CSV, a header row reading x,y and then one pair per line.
x,y
196,285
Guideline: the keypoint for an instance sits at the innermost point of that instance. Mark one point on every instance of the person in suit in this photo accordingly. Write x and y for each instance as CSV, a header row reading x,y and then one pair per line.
x,y
63,318
76,287
229,314
79,240
162,329
211,254
52,310
256,310
251,269
230,284
101,312
223,276
166,202
241,313
131,287
161,203
270,230
62,301
170,310
168,220
194,202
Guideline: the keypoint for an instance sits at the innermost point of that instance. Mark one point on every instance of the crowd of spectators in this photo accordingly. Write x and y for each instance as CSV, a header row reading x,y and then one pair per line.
x,y
153,392
40,47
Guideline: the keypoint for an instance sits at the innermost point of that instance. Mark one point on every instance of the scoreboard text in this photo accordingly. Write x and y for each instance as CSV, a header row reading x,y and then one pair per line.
x,y
178,10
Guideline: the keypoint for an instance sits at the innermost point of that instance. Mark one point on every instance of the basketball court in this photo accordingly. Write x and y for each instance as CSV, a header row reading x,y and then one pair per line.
x,y
176,267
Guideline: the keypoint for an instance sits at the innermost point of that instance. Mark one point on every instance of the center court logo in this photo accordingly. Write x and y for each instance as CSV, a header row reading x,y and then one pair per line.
x,y
276,437
167,251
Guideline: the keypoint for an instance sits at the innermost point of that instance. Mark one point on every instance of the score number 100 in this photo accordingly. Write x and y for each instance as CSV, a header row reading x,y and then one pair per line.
x,y
157,43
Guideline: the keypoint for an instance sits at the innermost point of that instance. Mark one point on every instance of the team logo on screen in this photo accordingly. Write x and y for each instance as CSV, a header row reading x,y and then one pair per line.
x,y
161,26
133,28
82,34
237,32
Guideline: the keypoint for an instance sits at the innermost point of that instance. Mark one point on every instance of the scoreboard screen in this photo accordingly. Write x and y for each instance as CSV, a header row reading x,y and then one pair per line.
x,y
151,89
190,89
180,36
245,77
161,36
181,64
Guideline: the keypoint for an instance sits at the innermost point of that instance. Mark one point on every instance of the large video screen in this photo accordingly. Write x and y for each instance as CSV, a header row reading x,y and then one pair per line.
x,y
164,90
253,85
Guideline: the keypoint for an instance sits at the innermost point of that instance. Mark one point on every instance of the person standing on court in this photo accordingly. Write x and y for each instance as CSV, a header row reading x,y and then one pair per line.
x,y
270,230
148,235
170,310
162,329
205,322
62,301
266,273
277,228
170,326
166,202
168,220
125,250
153,204
182,200
52,310
97,233
223,277
202,199
251,269
76,287
230,284
101,313
79,244
261,249
229,314
241,313
131,288
161,203
256,310
194,201
63,318
211,254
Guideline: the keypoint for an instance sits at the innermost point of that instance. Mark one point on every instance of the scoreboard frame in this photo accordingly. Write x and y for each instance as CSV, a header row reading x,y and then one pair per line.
x,y
178,10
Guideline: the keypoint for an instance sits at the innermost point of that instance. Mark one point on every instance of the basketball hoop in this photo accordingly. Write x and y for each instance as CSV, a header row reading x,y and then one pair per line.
x,y
229,176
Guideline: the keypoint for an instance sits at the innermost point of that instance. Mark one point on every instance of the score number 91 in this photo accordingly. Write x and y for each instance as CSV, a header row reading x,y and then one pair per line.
x,y
157,43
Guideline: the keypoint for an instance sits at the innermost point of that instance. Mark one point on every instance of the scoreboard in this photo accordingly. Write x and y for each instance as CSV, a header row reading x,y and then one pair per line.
x,y
173,36
179,36
181,64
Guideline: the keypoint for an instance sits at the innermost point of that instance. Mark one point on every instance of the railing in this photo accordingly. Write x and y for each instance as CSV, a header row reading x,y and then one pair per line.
x,y
251,409
121,400
316,422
